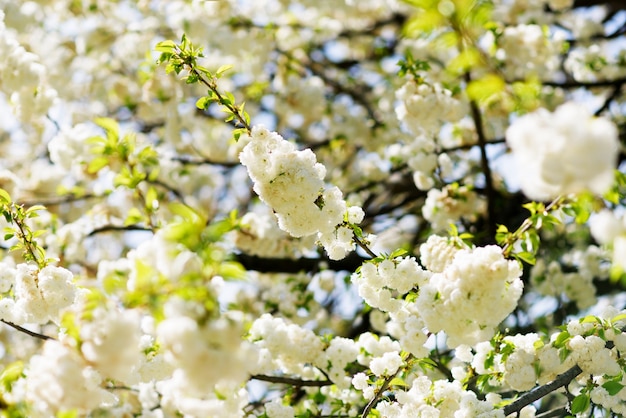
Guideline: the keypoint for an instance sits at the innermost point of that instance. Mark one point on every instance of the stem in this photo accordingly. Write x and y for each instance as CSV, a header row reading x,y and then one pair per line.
x,y
382,389
361,244
527,224
212,85
26,331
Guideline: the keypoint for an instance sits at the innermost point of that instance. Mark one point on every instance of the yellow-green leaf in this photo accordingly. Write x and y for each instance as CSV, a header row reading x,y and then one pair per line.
x,y
220,71
97,164
165,46
134,216
485,88
5,198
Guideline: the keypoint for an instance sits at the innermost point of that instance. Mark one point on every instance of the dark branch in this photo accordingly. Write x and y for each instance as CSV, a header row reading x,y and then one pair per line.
x,y
541,391
289,265
123,228
292,381
26,331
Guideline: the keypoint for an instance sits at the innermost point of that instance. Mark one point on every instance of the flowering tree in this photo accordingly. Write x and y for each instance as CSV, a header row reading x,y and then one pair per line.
x,y
307,208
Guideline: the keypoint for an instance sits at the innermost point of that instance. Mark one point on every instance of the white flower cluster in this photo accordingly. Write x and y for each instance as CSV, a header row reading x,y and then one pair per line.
x,y
438,399
592,355
381,285
595,63
58,380
287,293
205,355
466,292
420,156
160,257
260,235
609,229
39,296
70,146
451,204
276,409
424,107
339,353
471,296
381,356
438,252
523,361
291,182
303,100
567,151
111,344
276,339
519,367
23,77
527,51
578,285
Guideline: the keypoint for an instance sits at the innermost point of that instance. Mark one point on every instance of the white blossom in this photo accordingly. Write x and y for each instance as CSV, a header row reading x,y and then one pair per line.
x,y
471,296
58,379
567,151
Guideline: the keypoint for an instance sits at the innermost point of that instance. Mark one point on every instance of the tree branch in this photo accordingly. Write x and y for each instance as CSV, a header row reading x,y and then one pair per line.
x,y
291,381
541,391
123,228
27,331
382,389
486,169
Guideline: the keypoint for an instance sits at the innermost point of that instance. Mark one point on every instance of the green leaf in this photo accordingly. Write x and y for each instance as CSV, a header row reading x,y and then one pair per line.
x,y
613,387
237,133
110,126
619,317
526,256
113,283
231,270
203,102
97,164
396,381
133,216
152,199
580,404
464,61
185,212
72,413
5,198
400,252
590,319
11,374
165,46
485,88
561,339
220,71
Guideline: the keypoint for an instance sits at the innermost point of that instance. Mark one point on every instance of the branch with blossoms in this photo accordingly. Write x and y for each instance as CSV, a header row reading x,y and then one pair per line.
x,y
540,392
18,216
184,56
229,306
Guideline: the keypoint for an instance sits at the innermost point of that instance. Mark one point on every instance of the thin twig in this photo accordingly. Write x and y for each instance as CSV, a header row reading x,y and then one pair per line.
x,y
527,224
26,331
382,389
364,246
